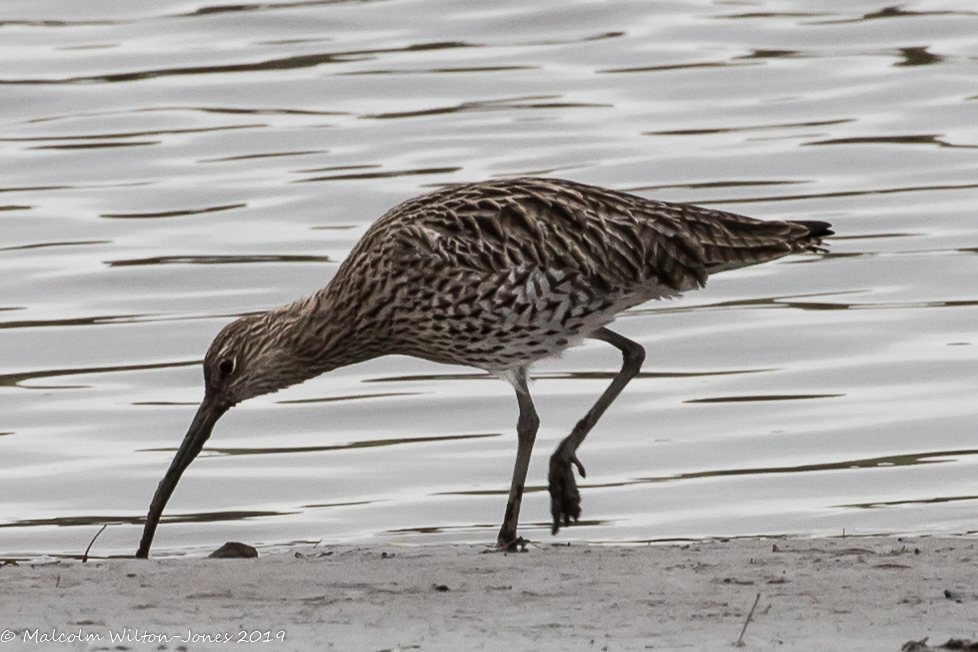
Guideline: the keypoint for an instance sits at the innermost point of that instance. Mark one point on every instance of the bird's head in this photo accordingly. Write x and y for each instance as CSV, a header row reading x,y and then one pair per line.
x,y
249,357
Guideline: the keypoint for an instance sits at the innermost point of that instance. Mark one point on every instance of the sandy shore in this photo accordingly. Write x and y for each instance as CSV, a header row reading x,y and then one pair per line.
x,y
815,594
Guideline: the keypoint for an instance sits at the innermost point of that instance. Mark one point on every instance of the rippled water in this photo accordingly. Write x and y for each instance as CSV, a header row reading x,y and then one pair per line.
x,y
167,166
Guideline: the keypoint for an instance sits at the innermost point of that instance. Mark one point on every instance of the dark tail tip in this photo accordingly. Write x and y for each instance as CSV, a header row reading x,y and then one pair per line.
x,y
815,228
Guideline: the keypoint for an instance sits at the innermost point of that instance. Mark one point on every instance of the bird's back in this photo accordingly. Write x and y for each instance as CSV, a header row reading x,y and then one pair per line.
x,y
500,273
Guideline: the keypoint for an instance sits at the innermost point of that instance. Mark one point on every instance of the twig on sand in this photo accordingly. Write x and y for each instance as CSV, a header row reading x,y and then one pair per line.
x,y
92,542
750,617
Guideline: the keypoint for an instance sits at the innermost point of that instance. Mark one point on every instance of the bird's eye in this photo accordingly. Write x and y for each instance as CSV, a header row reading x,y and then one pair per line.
x,y
226,366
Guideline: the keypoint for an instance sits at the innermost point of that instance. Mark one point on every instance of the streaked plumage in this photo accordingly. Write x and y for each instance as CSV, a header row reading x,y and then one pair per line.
x,y
494,275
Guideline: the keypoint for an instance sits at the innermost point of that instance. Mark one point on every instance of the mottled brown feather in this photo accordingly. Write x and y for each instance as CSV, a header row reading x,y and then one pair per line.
x,y
501,273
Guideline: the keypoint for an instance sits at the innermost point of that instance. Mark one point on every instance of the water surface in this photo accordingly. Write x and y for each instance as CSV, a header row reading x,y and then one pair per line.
x,y
168,166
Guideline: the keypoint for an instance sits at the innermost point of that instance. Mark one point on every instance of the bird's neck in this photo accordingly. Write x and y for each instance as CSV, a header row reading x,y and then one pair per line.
x,y
326,333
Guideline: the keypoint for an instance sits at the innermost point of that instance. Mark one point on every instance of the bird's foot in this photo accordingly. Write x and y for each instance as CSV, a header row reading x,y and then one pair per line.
x,y
517,544
565,499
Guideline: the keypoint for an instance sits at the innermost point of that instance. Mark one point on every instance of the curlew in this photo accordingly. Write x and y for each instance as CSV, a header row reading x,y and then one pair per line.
x,y
494,275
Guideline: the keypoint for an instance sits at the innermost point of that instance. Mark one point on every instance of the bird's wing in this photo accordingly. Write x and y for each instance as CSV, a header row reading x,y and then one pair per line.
x,y
607,238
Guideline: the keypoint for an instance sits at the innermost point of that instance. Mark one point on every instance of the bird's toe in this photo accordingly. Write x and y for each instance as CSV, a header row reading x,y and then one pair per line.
x,y
512,545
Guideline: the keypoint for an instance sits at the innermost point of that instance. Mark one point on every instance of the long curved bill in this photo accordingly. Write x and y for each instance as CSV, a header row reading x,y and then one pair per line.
x,y
200,431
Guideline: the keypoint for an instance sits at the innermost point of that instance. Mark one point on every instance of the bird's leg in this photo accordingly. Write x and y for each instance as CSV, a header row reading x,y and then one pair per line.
x,y
565,499
526,430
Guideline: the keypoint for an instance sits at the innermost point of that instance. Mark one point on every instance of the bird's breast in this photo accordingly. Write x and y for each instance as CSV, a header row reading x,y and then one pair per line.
x,y
503,320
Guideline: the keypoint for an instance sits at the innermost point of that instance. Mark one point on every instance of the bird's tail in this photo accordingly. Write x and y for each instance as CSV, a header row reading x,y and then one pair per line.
x,y
815,228
735,241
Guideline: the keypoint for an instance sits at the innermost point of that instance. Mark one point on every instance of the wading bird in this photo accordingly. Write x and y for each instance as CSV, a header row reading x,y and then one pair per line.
x,y
494,275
